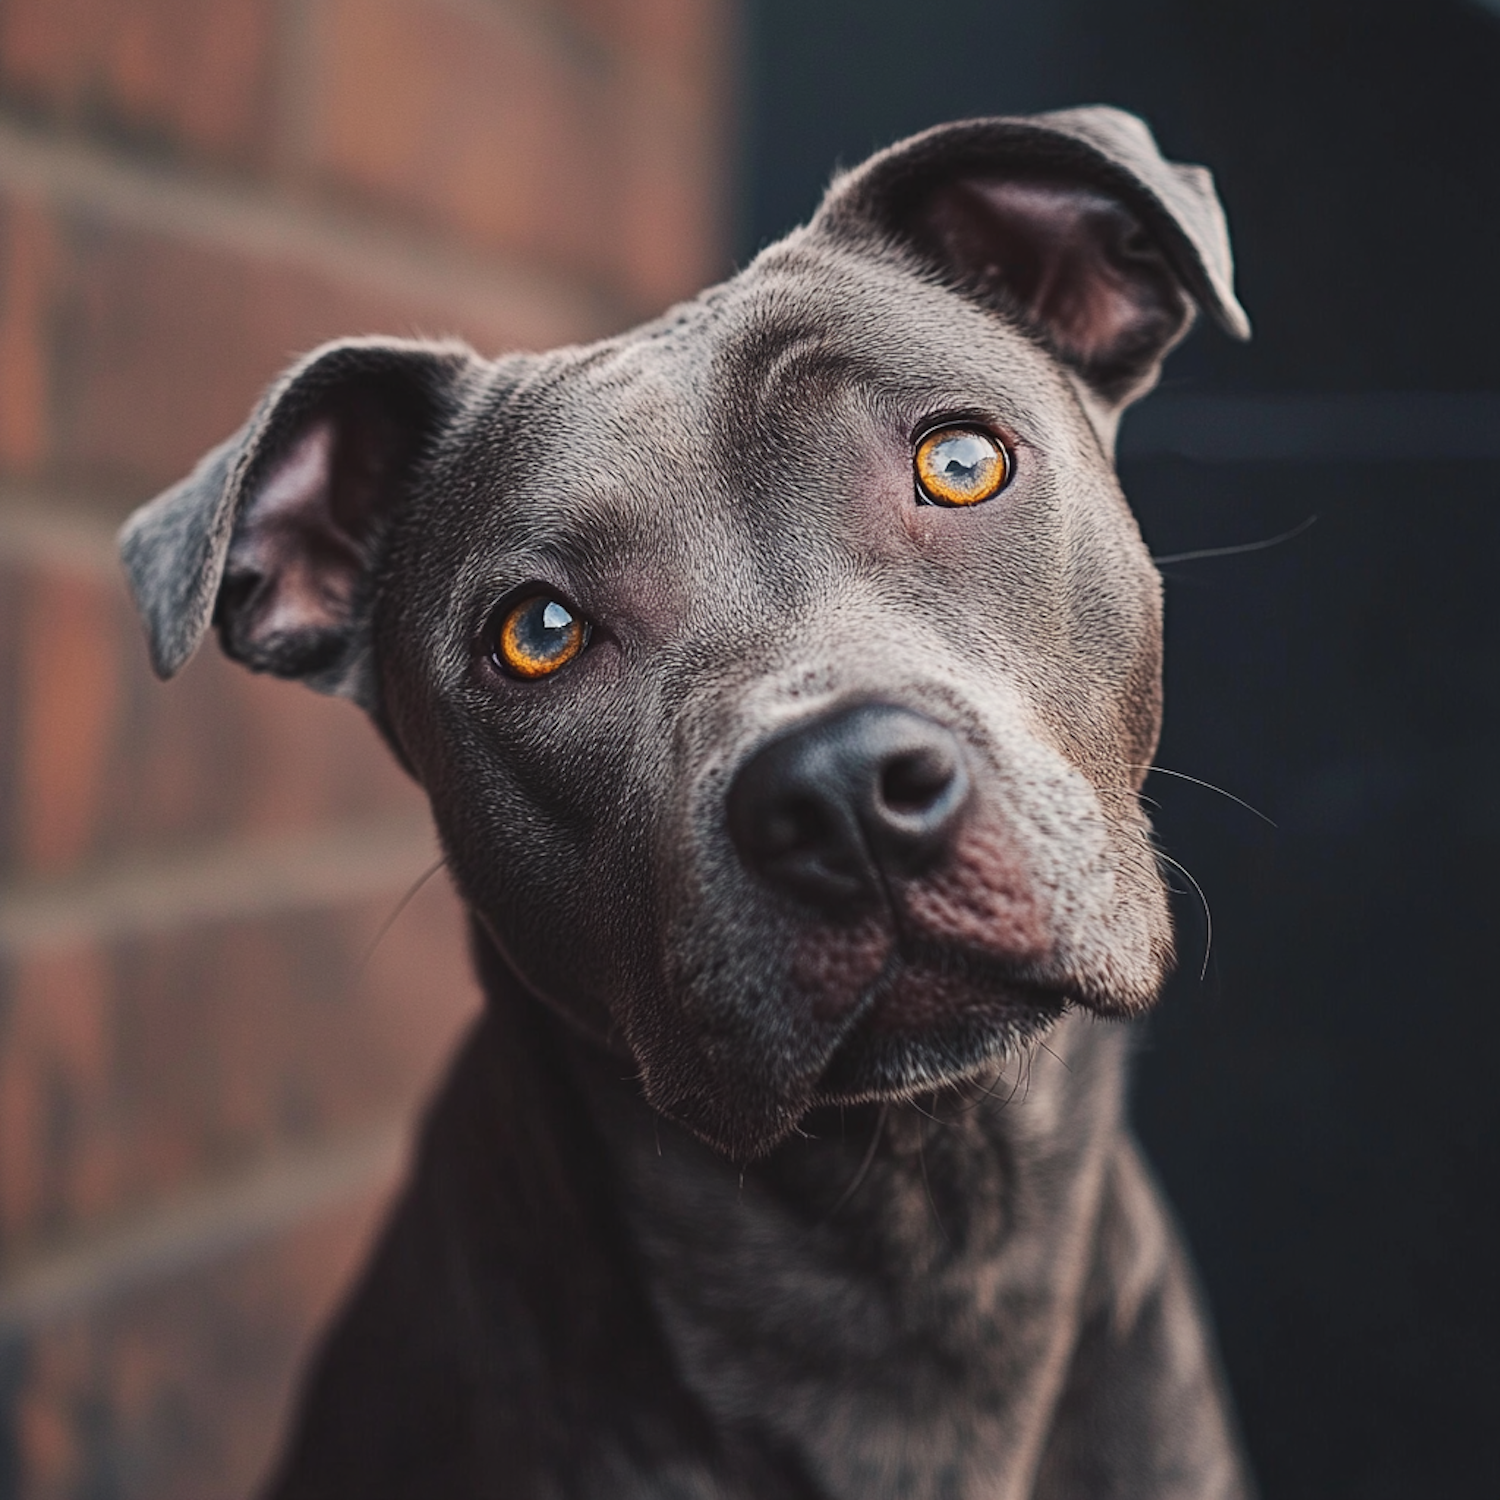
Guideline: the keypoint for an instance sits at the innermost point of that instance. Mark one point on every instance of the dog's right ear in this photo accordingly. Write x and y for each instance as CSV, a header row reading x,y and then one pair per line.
x,y
274,534
1072,222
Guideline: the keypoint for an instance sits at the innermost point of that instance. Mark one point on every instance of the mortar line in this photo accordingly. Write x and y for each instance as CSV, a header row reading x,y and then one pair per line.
x,y
60,533
158,199
205,1225
253,877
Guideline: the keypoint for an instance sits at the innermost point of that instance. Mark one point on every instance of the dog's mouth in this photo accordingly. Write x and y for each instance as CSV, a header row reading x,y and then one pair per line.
x,y
867,1016
934,1016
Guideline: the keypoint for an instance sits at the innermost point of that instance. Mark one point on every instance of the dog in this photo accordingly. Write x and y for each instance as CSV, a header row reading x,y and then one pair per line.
x,y
782,675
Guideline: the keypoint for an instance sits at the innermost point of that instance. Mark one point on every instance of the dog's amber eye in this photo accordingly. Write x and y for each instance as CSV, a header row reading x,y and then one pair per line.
x,y
960,466
537,636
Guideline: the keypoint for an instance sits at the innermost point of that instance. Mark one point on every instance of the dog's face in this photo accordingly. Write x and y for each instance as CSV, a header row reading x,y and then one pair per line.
x,y
761,567
781,674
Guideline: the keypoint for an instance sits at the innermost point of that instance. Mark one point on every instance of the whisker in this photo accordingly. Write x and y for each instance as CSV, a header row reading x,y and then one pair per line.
x,y
927,1114
1206,785
390,921
987,1091
862,1171
1062,1062
1239,548
1208,916
1014,1086
931,1201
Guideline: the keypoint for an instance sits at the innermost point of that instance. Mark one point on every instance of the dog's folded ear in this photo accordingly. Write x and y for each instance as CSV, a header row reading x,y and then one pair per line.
x,y
273,535
1071,221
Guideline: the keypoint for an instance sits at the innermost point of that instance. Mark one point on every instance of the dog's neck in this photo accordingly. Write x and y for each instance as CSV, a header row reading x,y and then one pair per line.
x,y
884,1254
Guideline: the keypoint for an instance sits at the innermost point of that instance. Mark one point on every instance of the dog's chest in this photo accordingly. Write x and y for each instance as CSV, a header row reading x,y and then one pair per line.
x,y
914,1341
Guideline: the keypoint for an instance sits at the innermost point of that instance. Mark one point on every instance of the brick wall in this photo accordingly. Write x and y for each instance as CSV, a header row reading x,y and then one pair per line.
x,y
206,1077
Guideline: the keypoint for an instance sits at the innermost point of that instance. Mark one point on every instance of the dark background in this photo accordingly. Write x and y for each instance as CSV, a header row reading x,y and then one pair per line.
x,y
1320,1108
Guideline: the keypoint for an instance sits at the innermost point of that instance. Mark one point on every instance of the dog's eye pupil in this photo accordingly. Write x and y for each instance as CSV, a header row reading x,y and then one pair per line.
x,y
960,466
537,636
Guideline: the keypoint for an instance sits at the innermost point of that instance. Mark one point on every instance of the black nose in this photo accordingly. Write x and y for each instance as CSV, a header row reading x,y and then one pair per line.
x,y
827,808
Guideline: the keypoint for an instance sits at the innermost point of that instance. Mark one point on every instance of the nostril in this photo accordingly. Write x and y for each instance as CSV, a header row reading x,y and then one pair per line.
x,y
911,783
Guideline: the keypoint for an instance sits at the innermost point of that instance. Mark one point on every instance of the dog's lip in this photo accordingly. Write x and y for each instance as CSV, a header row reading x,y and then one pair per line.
x,y
988,985
995,999
992,980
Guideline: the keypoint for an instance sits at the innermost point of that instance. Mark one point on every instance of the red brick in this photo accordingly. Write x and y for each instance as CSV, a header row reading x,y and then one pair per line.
x,y
681,39
218,751
610,159
180,1390
54,1052
28,263
10,640
125,353
131,1072
66,707
194,73
469,115
672,192
105,762
168,343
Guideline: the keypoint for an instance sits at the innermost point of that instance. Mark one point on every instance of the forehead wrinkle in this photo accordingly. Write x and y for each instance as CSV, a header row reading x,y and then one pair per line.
x,y
770,374
894,333
640,524
601,445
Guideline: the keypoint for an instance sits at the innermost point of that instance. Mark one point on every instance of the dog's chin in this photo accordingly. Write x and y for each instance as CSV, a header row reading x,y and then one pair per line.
x,y
928,1021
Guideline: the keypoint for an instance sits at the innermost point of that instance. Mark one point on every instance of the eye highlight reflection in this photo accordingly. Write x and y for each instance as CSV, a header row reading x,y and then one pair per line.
x,y
958,466
537,637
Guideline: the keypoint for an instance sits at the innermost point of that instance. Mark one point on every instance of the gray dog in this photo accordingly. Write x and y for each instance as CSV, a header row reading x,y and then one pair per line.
x,y
782,675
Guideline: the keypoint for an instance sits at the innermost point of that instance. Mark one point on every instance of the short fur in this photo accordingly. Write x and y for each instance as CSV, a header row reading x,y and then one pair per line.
x,y
733,1193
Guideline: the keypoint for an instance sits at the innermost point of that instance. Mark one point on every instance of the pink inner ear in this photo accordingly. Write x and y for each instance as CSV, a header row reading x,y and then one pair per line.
x,y
1076,261
288,537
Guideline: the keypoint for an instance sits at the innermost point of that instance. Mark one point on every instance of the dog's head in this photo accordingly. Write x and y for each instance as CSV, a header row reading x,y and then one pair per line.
x,y
782,673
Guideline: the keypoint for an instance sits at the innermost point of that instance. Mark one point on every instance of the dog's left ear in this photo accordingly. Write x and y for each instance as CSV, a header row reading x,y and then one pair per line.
x,y
1072,222
274,535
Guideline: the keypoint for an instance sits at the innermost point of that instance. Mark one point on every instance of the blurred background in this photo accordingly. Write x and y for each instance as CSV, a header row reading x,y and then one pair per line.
x,y
206,1074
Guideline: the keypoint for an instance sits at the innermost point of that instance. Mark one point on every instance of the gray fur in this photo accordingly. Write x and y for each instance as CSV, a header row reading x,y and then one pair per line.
x,y
731,1195
173,551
